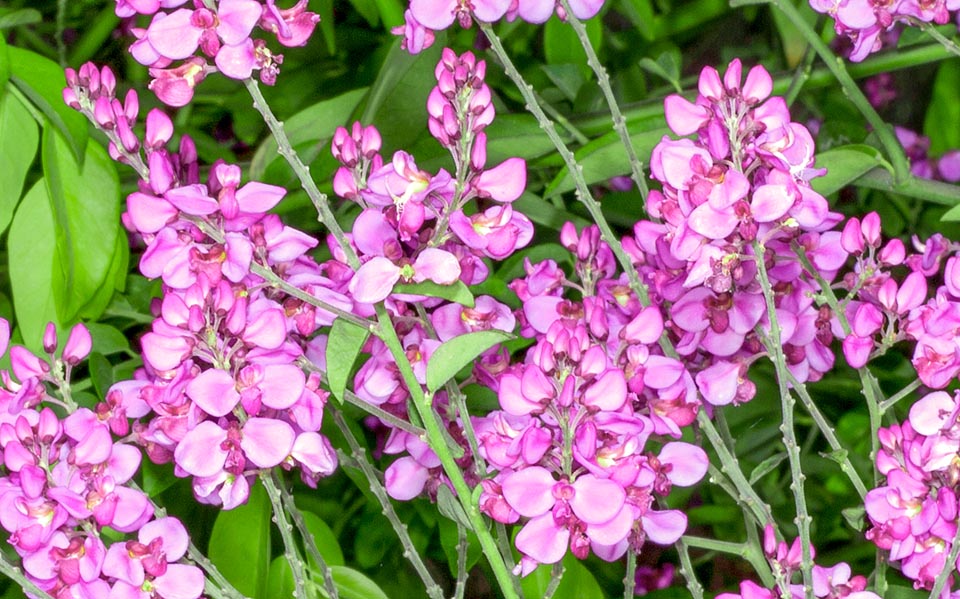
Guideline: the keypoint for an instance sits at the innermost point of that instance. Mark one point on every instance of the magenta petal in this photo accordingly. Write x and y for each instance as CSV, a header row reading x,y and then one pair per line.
x,y
236,19
405,478
266,441
529,491
314,452
646,327
490,11
662,372
374,281
688,463
614,531
176,540
932,412
710,223
192,199
719,382
597,500
258,198
608,392
439,266
371,232
536,11
585,9
282,385
664,528
173,35
237,62
118,564
434,14
199,452
95,447
541,312
683,116
542,540
180,581
770,202
504,182
214,391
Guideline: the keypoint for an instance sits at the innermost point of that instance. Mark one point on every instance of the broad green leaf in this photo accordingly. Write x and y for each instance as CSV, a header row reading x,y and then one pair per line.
x,y
640,13
518,135
845,164
666,66
448,359
343,346
368,10
943,112
324,8
114,281
577,582
605,157
33,258
240,544
18,147
402,87
899,592
309,131
108,340
561,45
13,591
280,579
391,12
16,18
458,292
101,374
544,213
4,66
42,81
157,478
326,541
86,209
354,585
568,78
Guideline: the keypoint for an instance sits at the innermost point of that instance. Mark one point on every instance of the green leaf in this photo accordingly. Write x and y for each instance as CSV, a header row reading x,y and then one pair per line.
x,y
899,592
448,359
767,466
309,131
568,78
32,258
605,157
854,517
324,8
666,66
343,346
280,579
240,544
544,213
42,81
943,112
368,10
577,582
449,540
101,373
845,164
561,45
352,584
108,340
391,12
86,209
326,541
450,507
4,66
457,292
18,147
16,18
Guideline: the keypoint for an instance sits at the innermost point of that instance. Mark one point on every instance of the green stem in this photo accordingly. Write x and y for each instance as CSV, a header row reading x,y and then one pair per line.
x,y
835,64
931,30
895,398
556,575
291,551
828,433
61,25
274,280
307,537
437,442
619,123
285,149
949,567
360,460
630,577
787,428
462,546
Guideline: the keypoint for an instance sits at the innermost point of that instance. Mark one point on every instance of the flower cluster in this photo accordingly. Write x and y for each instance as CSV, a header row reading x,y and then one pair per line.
x,y
569,445
65,479
914,513
424,17
221,31
221,393
835,582
865,22
416,226
740,186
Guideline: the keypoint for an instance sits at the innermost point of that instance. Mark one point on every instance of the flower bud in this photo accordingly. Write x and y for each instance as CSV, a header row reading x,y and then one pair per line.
x,y
78,345
50,338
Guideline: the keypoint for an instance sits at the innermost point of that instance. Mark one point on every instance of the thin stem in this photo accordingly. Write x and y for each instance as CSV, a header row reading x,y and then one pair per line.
x,y
896,397
376,487
828,434
61,19
931,30
13,573
686,570
949,567
835,64
307,537
291,552
563,121
462,547
556,576
437,442
619,122
787,428
274,280
575,170
285,149
630,577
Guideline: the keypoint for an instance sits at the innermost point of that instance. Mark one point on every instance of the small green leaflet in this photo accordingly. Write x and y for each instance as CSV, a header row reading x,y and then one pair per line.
x,y
458,292
453,355
343,346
